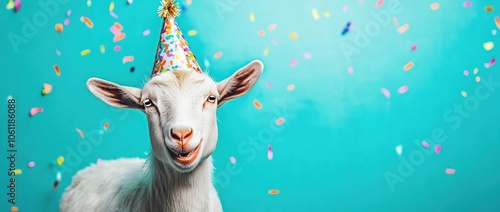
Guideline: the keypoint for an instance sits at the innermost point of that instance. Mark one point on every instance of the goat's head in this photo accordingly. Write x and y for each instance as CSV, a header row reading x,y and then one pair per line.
x,y
181,109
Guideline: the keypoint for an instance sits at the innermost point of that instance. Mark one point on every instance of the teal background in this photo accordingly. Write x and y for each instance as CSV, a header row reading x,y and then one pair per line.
x,y
336,148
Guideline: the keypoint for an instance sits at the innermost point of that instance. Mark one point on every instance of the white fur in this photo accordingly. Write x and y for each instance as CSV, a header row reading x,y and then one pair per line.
x,y
161,183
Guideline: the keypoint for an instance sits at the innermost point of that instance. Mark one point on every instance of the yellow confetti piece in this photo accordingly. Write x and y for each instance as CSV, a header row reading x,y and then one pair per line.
x,y
488,8
111,6
408,66
60,160
464,94
257,104
252,17
266,51
192,32
315,14
488,45
47,88
10,5
85,52
217,55
14,209
18,171
434,6
293,35
103,49
274,191
476,70
326,14
478,79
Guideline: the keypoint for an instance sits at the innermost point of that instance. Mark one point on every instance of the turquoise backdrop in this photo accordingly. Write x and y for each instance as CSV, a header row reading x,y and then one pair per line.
x,y
345,144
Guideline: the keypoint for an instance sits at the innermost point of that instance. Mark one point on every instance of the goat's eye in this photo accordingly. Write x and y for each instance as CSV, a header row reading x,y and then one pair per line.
x,y
148,102
211,98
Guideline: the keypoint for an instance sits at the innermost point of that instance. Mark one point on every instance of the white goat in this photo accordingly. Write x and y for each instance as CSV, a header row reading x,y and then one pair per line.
x,y
181,110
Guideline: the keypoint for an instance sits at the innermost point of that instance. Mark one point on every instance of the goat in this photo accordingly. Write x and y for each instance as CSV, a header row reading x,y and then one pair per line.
x,y
180,106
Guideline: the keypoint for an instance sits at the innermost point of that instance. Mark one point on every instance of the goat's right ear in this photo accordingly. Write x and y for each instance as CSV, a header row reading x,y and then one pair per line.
x,y
114,94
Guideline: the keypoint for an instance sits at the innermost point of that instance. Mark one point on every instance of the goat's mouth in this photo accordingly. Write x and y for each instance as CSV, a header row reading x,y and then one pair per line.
x,y
184,158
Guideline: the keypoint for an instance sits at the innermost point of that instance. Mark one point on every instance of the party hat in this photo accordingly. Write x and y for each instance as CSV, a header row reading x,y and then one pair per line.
x,y
173,52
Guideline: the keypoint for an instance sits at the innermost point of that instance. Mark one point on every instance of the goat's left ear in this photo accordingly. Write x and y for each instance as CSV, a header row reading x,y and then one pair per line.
x,y
240,82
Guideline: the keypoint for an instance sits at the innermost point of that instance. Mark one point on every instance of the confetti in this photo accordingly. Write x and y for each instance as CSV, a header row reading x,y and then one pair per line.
x,y
127,59
345,8
68,13
434,6
111,6
59,27
488,8
192,32
266,51
478,79
466,73
467,4
57,181
386,92
66,22
31,164
414,47
403,89
350,70
315,14
47,88
280,121
275,42
274,191
464,94
271,27
87,22
269,152
425,144
290,87
58,70
346,28
14,209
217,55
293,35
379,3
493,32
17,5
132,69
58,53
85,52
100,160
403,29
395,21
106,126
60,160
437,149
491,63
189,2
307,55
147,32
399,149
10,5
449,171
232,160
408,66
269,84
119,37
497,22
81,133
113,14
476,70
261,32
488,45
257,104
252,17
130,1
89,3
117,48
18,171
293,63
35,111
118,26
326,14
102,48
115,30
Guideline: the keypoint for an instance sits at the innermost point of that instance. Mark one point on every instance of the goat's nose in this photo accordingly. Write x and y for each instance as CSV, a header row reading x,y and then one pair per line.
x,y
181,133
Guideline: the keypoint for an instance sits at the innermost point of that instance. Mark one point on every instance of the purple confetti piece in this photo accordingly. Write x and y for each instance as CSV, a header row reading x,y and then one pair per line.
x,y
293,63
350,70
386,92
17,4
113,14
232,160
31,164
425,144
414,47
466,73
68,13
269,152
307,55
403,89
58,52
275,42
66,22
437,149
146,32
117,48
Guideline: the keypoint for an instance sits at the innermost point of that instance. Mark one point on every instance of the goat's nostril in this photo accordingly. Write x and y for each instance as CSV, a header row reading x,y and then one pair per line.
x,y
181,133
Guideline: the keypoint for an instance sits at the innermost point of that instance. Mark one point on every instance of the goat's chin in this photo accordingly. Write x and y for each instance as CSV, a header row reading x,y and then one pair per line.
x,y
186,163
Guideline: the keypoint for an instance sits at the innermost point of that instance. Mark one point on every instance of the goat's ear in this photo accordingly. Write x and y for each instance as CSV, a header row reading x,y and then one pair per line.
x,y
114,94
240,82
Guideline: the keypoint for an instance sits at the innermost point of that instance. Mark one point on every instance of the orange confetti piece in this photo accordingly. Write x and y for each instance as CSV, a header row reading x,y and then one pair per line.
x,y
119,37
189,2
14,209
59,27
257,104
395,21
118,26
402,29
274,191
379,3
434,6
106,126
290,87
280,121
81,133
87,22
261,32
218,55
58,70
497,22
271,27
408,66
127,59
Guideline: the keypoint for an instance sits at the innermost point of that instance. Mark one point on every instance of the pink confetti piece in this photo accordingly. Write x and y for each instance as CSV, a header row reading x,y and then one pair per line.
x,y
307,55
449,171
345,8
271,27
58,53
113,14
293,63
35,111
232,160
17,4
275,42
68,13
81,133
261,32
47,88
437,149
425,144
379,3
350,70
269,152
386,92
66,22
117,48
467,4
99,160
414,47
127,59
115,30
403,89
466,73
31,164
290,87
491,63
269,84
146,32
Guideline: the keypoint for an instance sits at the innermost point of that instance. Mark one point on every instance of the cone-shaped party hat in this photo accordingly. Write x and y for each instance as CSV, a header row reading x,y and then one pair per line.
x,y
173,52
